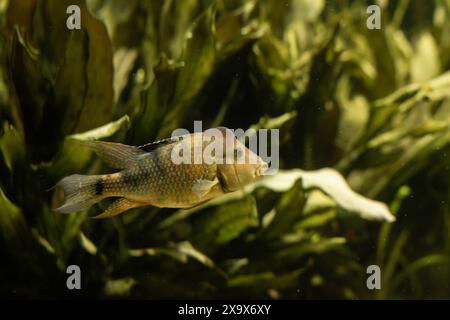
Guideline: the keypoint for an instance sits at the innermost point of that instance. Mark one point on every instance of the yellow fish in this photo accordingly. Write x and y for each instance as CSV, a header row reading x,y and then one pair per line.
x,y
150,176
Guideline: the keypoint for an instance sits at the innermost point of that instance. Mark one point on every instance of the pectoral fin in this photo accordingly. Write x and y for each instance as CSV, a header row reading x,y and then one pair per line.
x,y
117,207
202,186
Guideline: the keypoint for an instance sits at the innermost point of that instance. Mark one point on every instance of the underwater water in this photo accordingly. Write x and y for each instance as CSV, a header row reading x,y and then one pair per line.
x,y
358,94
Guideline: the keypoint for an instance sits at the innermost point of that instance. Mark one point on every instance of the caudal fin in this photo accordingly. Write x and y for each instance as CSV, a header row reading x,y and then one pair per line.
x,y
80,192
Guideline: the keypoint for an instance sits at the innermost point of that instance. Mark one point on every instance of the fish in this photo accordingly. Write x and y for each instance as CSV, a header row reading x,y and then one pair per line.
x,y
149,176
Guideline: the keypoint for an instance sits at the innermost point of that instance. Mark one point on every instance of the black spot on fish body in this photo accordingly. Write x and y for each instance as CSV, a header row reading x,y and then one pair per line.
x,y
126,177
132,179
99,187
222,181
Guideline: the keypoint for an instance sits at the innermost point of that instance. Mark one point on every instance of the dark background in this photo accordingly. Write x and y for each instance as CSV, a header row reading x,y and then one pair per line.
x,y
372,104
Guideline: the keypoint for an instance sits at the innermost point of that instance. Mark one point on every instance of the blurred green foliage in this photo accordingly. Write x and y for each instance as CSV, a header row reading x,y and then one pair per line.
x,y
373,104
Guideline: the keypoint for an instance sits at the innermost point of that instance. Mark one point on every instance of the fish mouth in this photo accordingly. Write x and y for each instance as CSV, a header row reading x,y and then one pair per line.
x,y
261,169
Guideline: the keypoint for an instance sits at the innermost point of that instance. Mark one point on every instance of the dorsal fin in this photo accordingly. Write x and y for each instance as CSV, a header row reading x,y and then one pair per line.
x,y
148,147
116,155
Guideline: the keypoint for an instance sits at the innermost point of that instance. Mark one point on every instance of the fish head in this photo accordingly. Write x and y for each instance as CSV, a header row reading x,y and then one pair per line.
x,y
241,166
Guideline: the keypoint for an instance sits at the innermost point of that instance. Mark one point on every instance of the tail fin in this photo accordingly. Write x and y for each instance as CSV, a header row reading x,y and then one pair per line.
x,y
80,192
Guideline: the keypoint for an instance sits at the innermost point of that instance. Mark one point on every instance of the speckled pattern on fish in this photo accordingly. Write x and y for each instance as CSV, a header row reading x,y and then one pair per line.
x,y
148,176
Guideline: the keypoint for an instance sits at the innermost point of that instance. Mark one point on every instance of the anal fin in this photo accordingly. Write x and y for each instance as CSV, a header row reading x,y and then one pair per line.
x,y
117,207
